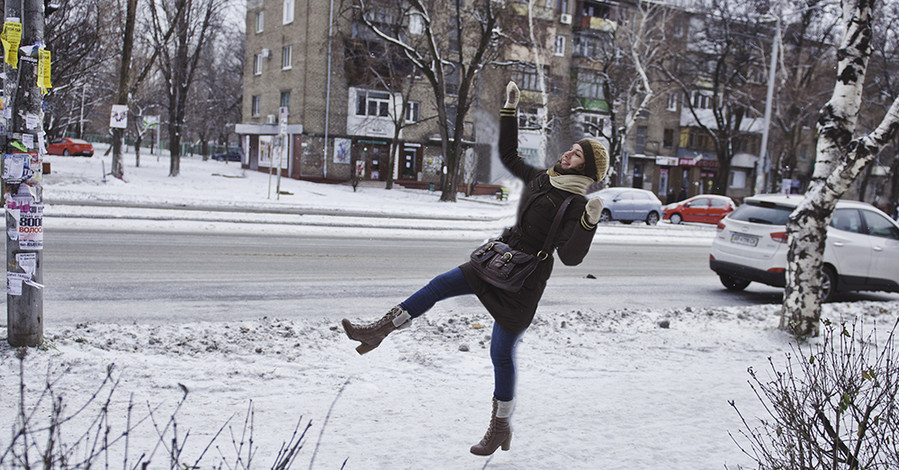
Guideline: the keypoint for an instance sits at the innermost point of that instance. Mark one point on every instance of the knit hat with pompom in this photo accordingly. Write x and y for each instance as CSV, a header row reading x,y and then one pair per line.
x,y
596,159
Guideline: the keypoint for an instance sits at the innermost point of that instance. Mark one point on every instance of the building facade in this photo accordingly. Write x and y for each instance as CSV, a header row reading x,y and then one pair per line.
x,y
317,107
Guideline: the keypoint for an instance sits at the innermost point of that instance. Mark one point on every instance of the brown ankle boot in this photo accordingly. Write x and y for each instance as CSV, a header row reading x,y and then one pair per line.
x,y
372,334
499,433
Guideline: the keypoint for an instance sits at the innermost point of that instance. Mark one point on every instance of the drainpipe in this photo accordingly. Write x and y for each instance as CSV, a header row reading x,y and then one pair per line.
x,y
328,92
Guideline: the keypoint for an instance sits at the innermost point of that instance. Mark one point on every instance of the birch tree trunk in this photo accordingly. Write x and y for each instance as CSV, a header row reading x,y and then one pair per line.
x,y
839,161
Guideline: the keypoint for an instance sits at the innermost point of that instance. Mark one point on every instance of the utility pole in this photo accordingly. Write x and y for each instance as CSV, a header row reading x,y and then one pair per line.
x,y
23,147
762,184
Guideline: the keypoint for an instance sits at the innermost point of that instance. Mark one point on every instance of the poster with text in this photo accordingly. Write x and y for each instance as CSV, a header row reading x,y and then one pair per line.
x,y
31,228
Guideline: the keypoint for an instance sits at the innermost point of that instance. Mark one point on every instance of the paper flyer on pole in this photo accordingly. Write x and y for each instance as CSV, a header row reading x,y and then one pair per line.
x,y
43,70
16,167
31,228
11,37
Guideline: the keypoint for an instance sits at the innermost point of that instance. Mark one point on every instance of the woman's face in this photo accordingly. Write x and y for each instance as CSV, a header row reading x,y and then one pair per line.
x,y
573,159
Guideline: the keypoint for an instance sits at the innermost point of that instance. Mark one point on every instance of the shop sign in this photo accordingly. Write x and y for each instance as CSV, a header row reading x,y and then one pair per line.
x,y
666,161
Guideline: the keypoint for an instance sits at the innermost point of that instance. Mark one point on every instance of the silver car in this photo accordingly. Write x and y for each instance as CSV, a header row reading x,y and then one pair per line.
x,y
861,251
628,204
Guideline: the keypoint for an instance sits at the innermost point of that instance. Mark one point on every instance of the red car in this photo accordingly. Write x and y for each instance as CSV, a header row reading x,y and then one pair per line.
x,y
705,208
67,146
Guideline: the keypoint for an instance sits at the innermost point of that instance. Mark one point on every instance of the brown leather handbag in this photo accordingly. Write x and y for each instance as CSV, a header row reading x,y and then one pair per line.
x,y
507,268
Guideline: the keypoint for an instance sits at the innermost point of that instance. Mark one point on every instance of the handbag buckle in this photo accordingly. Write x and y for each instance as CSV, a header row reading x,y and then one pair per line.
x,y
542,255
509,254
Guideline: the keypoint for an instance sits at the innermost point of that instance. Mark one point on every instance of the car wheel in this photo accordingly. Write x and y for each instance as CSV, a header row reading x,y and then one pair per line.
x,y
676,218
652,218
66,152
828,284
732,283
605,216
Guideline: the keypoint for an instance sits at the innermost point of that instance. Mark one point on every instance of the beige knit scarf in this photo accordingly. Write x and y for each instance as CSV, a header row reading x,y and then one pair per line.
x,y
576,184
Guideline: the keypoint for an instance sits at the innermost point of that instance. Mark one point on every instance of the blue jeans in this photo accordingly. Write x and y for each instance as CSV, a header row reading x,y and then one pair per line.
x,y
502,342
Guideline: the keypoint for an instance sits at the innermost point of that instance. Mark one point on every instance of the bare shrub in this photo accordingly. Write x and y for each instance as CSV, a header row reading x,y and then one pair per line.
x,y
832,405
47,435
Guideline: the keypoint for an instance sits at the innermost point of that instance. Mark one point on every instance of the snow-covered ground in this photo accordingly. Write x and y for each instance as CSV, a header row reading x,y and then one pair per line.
x,y
636,389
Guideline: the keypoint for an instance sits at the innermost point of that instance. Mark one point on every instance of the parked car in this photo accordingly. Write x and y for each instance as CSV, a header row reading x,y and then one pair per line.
x,y
628,204
705,208
68,146
233,154
861,251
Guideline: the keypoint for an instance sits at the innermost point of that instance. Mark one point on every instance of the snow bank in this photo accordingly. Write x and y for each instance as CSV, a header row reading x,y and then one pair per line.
x,y
624,388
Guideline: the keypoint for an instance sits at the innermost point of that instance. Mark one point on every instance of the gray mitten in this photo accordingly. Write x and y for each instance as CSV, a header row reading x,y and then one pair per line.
x,y
512,95
592,211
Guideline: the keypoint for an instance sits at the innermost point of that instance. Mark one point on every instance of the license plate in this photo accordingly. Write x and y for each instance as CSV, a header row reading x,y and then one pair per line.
x,y
743,239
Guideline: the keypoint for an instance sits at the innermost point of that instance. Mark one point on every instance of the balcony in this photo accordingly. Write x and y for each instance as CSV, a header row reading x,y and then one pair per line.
x,y
596,23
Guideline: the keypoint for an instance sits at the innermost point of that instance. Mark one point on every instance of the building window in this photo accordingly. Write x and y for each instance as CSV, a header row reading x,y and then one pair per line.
x,y
640,140
286,57
373,103
288,11
668,138
585,46
528,118
526,77
413,111
257,64
416,25
593,125
803,153
737,179
381,15
589,85
256,106
672,102
699,140
596,9
560,46
700,100
260,21
285,100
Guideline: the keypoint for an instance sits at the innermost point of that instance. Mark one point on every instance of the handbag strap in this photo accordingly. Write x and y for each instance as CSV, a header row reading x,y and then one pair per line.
x,y
547,244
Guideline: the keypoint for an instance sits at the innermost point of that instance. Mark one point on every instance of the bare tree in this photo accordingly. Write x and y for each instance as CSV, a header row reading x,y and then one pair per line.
x,y
882,84
375,63
78,28
450,51
719,74
193,22
803,86
128,82
215,100
841,157
626,59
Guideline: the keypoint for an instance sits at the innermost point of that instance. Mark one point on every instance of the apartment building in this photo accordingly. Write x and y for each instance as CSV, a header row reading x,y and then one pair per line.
x,y
317,107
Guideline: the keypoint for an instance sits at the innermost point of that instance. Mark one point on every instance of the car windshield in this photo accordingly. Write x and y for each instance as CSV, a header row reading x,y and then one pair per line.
x,y
609,193
762,213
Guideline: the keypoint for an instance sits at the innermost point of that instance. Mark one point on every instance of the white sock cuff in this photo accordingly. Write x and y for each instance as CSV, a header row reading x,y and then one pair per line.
x,y
402,319
504,408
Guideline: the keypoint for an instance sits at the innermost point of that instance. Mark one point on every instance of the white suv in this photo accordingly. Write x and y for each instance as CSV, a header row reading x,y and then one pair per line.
x,y
861,251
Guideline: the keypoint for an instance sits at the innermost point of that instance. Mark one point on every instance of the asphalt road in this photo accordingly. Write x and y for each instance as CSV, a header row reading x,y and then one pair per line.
x,y
113,276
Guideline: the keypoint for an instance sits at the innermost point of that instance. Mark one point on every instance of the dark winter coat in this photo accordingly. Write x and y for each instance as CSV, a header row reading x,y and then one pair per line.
x,y
540,201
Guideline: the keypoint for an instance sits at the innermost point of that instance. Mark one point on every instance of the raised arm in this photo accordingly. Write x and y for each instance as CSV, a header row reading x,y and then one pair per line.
x,y
508,137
